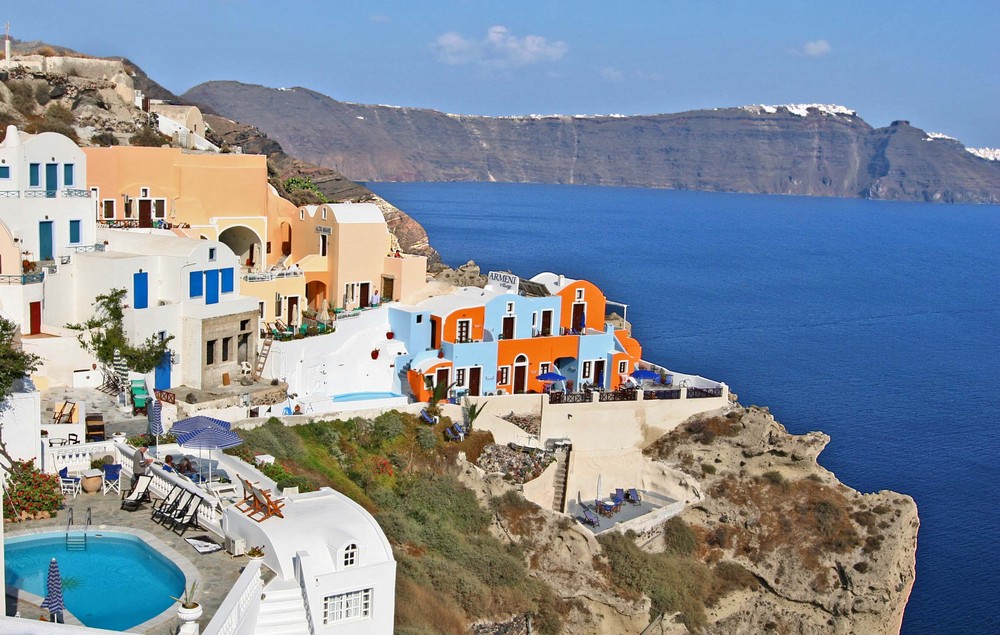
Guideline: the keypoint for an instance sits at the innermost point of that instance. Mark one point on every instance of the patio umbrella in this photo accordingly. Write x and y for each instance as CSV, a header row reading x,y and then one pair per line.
x,y
121,369
156,421
641,373
209,438
199,422
53,601
550,376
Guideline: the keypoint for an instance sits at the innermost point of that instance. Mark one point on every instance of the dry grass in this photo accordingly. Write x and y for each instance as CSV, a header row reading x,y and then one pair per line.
x,y
420,609
520,515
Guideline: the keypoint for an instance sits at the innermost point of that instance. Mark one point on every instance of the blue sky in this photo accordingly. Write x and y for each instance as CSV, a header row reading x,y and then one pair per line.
x,y
933,63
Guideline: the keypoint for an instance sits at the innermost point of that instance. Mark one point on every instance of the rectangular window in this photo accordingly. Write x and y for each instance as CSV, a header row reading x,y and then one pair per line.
x,y
228,280
510,307
579,294
109,208
586,370
464,329
128,208
460,376
420,318
227,345
534,319
196,288
503,375
35,174
4,171
160,208
347,606
322,245
68,174
144,192
211,253
277,306
324,213
244,325
74,231
210,352
260,310
622,367
543,368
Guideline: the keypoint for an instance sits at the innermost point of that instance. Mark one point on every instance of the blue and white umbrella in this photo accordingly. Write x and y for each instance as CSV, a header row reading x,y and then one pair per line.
x,y
641,373
200,422
53,601
209,438
154,414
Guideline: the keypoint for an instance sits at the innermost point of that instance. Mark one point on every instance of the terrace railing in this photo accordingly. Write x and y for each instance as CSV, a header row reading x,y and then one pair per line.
x,y
89,248
570,397
119,223
24,278
703,393
265,276
619,395
664,393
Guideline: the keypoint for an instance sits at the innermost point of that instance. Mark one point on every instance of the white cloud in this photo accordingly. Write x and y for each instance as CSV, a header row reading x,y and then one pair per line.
x,y
498,49
612,74
816,48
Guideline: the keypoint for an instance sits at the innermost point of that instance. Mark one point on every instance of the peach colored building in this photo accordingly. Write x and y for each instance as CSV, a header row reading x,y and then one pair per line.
x,y
293,259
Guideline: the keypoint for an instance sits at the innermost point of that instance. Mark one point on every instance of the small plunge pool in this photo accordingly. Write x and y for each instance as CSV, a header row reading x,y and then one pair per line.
x,y
365,396
117,583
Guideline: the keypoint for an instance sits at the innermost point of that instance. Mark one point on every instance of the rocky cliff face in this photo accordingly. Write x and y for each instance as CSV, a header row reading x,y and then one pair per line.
x,y
768,150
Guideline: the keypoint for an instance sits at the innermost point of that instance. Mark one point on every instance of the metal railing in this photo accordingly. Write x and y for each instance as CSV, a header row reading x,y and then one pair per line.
x,y
89,248
119,223
74,193
571,397
265,276
664,393
10,194
619,395
40,193
703,393
24,278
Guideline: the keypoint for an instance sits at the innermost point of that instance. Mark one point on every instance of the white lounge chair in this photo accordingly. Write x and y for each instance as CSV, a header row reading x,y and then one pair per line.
x,y
138,494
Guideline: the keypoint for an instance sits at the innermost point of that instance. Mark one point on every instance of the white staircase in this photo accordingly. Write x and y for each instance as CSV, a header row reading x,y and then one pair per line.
x,y
282,611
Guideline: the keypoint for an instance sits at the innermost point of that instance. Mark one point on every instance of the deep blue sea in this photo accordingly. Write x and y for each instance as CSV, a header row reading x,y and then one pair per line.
x,y
875,322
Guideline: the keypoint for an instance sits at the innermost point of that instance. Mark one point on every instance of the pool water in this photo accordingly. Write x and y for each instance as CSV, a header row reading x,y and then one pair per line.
x,y
117,583
365,396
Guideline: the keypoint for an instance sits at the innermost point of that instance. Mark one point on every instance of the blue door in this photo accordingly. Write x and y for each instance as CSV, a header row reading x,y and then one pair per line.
x,y
51,179
140,290
212,286
45,240
162,379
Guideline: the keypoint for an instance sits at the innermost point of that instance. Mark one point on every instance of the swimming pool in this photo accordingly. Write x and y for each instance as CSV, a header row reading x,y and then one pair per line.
x,y
118,582
365,396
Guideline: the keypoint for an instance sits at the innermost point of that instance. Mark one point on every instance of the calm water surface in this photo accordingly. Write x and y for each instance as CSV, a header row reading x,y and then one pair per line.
x,y
875,322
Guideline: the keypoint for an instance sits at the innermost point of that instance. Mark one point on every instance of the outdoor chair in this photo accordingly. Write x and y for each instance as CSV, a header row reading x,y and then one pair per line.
x,y
266,506
169,511
69,484
95,428
427,417
633,497
73,438
249,503
245,369
590,518
188,517
112,478
604,509
139,493
166,504
619,497
450,435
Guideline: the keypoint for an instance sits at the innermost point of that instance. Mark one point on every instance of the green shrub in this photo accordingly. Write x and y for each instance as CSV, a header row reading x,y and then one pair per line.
x,y
707,468
774,478
426,438
678,537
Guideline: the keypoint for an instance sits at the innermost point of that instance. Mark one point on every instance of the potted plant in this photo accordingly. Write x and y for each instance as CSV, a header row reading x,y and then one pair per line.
x,y
374,353
189,610
389,335
256,553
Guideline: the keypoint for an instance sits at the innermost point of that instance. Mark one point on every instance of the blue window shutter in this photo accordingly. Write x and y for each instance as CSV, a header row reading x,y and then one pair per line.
x,y
140,289
212,286
74,231
196,286
35,174
228,283
67,174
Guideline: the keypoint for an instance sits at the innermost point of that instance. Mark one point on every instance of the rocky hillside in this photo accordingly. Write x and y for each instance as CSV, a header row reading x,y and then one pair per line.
x,y
820,151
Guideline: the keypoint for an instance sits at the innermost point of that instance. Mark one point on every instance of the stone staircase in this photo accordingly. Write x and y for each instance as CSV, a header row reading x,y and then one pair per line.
x,y
559,483
282,610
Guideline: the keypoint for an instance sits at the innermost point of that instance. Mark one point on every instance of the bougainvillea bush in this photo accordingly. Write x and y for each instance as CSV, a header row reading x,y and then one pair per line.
x,y
30,491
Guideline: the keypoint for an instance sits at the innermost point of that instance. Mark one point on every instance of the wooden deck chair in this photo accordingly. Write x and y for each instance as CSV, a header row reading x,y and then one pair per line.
x,y
267,506
249,503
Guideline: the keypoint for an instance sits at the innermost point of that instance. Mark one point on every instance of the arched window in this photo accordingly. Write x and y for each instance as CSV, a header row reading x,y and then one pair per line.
x,y
351,555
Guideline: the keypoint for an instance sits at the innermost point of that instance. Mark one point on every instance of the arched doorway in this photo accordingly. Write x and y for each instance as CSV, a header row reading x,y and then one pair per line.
x,y
244,242
316,294
520,374
286,239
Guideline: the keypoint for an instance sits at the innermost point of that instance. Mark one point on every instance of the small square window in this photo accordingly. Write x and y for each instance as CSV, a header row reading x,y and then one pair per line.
x,y
622,367
211,253
420,318
144,192
510,307
244,325
4,171
579,294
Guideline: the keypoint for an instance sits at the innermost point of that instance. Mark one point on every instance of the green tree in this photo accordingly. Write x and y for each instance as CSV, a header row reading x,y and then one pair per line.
x,y
103,334
302,191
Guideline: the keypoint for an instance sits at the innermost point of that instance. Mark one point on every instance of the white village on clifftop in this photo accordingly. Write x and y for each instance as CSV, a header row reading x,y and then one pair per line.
x,y
255,310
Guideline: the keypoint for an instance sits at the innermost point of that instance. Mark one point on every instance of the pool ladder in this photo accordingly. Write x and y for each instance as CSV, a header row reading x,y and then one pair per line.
x,y
74,542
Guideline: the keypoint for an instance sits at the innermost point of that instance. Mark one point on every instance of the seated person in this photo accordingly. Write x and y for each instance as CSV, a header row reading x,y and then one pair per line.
x,y
168,463
186,467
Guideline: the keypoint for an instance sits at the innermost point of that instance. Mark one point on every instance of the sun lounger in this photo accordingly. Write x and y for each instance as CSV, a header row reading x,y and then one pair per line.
x,y
249,504
172,511
619,497
590,518
187,517
166,504
138,494
633,497
427,417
